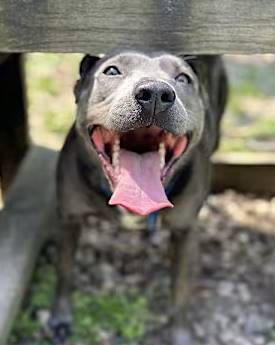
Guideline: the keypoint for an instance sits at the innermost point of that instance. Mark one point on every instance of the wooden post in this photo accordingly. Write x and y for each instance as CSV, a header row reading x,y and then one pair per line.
x,y
27,220
13,126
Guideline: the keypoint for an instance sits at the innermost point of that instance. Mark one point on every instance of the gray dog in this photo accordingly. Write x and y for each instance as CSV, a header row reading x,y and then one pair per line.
x,y
146,126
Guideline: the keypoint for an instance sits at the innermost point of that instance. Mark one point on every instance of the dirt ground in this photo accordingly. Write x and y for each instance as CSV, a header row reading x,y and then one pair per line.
x,y
233,299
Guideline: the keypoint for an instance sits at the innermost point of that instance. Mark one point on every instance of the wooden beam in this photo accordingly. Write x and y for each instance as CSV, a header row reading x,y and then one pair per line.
x,y
252,178
95,26
27,220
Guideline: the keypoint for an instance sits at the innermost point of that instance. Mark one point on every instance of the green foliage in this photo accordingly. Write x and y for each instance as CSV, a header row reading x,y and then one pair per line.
x,y
236,145
264,129
250,79
41,297
50,79
42,292
58,122
113,314
25,327
251,106
94,314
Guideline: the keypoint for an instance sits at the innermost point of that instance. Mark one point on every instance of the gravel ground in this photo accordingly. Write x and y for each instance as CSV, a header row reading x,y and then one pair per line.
x,y
233,298
233,302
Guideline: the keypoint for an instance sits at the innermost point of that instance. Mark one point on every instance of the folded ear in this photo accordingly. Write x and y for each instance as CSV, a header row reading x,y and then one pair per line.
x,y
213,85
87,63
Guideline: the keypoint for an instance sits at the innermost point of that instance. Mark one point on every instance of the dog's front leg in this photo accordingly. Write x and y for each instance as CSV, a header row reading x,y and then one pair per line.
x,y
183,253
61,318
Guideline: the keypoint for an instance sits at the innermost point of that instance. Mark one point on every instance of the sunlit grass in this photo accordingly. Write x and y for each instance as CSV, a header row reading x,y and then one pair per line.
x,y
250,111
50,80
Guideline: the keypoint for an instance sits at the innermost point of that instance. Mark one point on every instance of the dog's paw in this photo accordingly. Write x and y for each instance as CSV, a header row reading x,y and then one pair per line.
x,y
181,336
60,324
61,332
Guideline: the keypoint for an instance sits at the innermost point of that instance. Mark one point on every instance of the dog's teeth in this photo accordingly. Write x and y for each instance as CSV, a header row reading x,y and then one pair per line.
x,y
162,152
116,143
115,157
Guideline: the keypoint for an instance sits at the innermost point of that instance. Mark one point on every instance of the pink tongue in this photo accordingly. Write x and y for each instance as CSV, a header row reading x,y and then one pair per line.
x,y
139,187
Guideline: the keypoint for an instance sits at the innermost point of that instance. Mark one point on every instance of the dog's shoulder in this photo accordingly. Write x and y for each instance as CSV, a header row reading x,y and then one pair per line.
x,y
71,186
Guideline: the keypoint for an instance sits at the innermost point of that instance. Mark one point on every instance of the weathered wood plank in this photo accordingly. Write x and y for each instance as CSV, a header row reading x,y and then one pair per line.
x,y
255,178
28,219
189,26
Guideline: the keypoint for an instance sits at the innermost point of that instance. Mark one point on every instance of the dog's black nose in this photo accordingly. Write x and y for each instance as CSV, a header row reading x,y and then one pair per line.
x,y
155,96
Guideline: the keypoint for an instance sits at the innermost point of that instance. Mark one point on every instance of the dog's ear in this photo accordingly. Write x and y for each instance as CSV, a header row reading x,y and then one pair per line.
x,y
212,76
192,60
213,85
87,63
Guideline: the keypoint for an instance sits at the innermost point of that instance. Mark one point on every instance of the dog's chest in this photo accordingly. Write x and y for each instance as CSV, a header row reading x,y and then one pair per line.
x,y
130,221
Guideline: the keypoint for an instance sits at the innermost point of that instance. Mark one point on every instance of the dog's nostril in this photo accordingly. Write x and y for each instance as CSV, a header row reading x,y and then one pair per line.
x,y
144,95
168,96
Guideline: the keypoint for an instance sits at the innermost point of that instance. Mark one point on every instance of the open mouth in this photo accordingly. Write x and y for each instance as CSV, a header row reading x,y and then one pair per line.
x,y
137,163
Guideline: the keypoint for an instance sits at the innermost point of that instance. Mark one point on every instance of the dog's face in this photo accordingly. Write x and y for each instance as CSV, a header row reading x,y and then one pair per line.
x,y
141,115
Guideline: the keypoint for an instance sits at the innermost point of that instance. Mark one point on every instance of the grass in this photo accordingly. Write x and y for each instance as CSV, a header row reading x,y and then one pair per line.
x,y
40,297
95,315
251,106
50,79
105,313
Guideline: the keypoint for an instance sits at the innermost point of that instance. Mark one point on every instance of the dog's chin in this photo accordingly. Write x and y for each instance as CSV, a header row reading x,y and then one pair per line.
x,y
138,163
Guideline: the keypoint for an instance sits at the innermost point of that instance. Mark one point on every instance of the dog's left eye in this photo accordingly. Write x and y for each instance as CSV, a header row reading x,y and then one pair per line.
x,y
184,79
112,70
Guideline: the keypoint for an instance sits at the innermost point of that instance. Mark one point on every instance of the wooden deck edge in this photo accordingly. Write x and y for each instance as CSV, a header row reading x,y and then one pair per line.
x,y
246,177
27,220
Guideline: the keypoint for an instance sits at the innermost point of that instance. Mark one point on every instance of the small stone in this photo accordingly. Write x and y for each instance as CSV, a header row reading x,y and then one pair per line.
x,y
255,324
43,316
226,289
259,340
244,292
199,330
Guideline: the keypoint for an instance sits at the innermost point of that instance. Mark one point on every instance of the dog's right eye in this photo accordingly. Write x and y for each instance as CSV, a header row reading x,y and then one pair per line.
x,y
184,79
112,70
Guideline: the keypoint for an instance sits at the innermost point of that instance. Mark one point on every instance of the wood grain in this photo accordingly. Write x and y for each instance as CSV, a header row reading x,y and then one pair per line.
x,y
180,26
252,178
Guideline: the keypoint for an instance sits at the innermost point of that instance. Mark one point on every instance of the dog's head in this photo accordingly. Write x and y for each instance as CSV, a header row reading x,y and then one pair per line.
x,y
141,115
